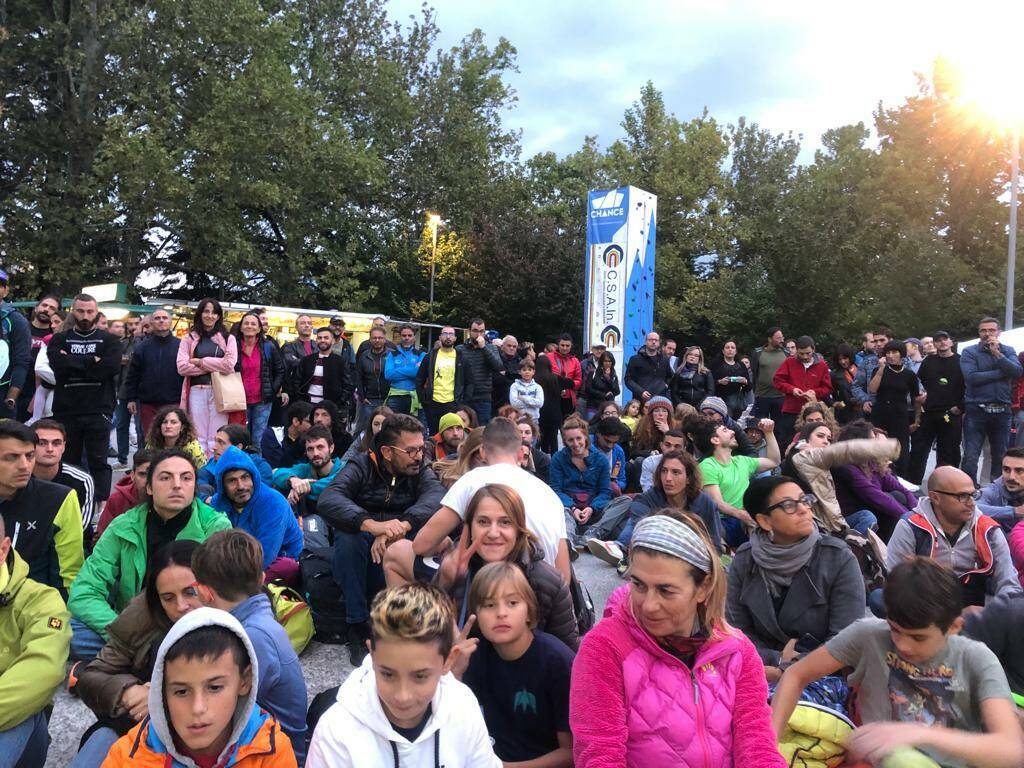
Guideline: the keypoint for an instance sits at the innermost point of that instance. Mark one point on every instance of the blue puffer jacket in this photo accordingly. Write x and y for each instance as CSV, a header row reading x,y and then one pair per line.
x,y
987,378
401,367
267,515
567,481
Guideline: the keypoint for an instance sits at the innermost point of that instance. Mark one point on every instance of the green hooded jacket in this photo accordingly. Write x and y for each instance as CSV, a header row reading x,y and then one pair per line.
x,y
117,565
34,640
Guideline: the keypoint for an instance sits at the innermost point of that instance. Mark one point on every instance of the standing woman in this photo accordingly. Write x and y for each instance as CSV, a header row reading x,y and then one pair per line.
x,y
601,384
262,367
206,348
551,411
731,379
692,381
892,384
663,679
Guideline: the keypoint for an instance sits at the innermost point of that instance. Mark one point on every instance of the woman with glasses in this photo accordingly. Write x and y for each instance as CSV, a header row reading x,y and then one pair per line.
x,y
791,587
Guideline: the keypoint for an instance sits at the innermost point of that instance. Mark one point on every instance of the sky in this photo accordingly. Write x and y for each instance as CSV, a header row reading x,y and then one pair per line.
x,y
789,66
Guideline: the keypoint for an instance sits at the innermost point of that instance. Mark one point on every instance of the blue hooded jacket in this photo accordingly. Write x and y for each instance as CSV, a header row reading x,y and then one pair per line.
x,y
595,483
267,516
207,476
401,367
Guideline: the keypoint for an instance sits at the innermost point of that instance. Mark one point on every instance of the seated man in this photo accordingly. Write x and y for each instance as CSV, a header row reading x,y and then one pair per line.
x,y
51,441
43,518
377,499
1003,498
948,528
919,685
307,481
727,476
34,639
286,449
673,440
605,441
223,438
129,491
117,566
715,409
545,515
261,511
450,434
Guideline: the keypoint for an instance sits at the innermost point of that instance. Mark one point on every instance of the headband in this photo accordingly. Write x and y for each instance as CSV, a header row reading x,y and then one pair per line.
x,y
671,537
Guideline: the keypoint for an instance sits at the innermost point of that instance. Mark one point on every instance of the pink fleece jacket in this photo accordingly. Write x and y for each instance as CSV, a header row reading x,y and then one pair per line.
x,y
633,704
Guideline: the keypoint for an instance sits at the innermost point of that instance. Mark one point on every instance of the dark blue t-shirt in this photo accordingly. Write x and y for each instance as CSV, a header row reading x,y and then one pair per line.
x,y
525,702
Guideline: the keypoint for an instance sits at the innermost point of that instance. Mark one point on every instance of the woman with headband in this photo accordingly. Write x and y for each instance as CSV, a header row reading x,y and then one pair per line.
x,y
663,679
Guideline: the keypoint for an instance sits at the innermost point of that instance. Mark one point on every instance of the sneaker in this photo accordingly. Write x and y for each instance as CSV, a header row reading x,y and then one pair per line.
x,y
358,634
609,551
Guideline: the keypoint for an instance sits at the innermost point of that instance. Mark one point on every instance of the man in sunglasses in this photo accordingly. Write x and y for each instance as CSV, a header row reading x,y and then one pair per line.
x,y
948,527
378,498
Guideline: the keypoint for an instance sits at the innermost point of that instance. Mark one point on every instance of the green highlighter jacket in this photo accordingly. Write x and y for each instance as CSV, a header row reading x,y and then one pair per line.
x,y
117,564
34,641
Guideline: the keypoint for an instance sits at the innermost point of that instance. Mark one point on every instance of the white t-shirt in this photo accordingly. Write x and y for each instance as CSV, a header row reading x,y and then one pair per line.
x,y
545,514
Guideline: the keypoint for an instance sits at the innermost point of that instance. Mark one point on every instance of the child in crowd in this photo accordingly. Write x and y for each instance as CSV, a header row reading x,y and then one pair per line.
x,y
918,683
631,414
520,676
202,703
229,576
525,394
401,707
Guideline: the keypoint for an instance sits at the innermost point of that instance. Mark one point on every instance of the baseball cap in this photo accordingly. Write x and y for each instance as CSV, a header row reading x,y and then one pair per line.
x,y
337,320
942,335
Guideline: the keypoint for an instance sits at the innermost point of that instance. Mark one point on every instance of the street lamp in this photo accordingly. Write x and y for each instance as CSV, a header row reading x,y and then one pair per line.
x,y
433,221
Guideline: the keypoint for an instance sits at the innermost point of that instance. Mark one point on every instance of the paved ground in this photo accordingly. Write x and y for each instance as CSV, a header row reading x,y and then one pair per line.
x,y
324,666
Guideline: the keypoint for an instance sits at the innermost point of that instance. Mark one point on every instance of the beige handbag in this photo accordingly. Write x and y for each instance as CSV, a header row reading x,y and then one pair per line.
x,y
228,392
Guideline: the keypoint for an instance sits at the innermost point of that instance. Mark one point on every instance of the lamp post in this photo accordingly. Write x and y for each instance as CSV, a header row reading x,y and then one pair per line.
x,y
1011,257
433,221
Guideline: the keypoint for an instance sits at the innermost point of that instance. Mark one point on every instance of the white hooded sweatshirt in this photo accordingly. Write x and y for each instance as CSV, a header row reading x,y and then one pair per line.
x,y
356,732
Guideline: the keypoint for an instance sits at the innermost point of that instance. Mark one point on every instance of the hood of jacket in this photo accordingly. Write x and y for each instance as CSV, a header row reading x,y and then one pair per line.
x,y
358,696
125,489
924,507
160,726
12,581
233,459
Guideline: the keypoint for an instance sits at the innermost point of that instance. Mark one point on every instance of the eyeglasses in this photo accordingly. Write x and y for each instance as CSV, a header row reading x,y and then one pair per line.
x,y
412,453
789,505
962,497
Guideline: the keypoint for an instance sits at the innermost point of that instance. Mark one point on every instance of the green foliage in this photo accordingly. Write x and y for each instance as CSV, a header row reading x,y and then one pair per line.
x,y
286,151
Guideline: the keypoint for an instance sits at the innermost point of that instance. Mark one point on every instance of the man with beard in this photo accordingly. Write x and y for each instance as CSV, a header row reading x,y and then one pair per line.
x,y
1003,498
445,444
370,379
341,345
443,380
325,376
259,511
85,362
152,380
308,480
39,327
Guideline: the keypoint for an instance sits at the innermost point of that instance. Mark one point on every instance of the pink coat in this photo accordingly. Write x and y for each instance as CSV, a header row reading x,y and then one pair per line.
x,y
1016,541
224,364
633,704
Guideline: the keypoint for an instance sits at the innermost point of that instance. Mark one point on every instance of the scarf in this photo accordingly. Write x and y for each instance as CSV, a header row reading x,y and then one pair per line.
x,y
778,563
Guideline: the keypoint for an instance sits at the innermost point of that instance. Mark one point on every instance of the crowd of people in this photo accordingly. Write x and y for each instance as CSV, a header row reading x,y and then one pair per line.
x,y
799,589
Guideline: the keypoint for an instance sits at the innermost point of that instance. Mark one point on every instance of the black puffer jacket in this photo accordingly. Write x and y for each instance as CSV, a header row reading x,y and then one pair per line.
x,y
271,369
480,365
692,389
364,489
598,388
370,374
646,373
554,603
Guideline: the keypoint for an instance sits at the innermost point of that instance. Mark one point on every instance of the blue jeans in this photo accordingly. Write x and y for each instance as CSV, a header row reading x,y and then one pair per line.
x,y
258,416
26,744
483,410
85,643
977,426
122,425
733,531
358,576
94,751
862,520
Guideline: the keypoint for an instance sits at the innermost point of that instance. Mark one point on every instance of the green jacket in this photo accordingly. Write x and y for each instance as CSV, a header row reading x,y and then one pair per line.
x,y
117,565
34,639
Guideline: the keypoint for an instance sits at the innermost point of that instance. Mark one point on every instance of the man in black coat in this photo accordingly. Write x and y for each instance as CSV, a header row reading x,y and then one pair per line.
x,y
325,376
647,372
378,498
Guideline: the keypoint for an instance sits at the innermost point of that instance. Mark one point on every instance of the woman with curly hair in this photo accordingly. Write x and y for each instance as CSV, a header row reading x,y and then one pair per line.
x,y
172,428
656,421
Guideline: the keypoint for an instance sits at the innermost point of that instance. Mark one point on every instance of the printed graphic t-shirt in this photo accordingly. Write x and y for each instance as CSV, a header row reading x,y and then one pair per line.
x,y
946,690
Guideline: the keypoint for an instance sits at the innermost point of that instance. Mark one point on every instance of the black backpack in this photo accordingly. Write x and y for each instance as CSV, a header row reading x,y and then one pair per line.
x,y
583,604
324,595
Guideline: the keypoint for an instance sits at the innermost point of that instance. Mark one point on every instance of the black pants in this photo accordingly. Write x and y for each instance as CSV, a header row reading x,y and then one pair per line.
x,y
785,428
935,429
89,433
893,419
435,411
